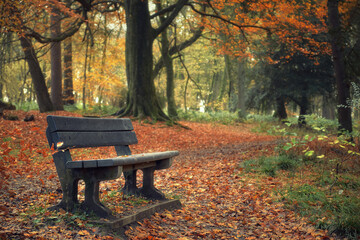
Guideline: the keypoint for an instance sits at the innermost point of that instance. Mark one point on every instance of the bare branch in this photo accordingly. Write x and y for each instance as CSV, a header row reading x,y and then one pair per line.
x,y
179,5
163,11
177,48
68,33
240,26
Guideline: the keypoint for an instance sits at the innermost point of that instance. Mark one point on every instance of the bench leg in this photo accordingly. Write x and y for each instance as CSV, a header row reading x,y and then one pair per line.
x,y
68,180
148,190
130,187
92,202
69,199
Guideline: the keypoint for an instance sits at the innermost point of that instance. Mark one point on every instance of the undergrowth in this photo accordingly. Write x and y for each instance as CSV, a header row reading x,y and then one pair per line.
x,y
223,117
320,172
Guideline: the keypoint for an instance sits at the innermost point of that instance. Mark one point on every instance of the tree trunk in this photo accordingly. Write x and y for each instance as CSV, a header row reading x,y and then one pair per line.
x,y
280,111
1,89
214,90
42,94
84,76
170,86
169,67
142,99
304,106
241,88
328,108
55,54
231,90
343,87
68,96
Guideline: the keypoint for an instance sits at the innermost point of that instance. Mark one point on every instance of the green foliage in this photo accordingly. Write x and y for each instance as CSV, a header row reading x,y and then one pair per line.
x,y
95,110
222,117
317,123
271,165
345,181
27,106
337,213
260,118
328,195
72,108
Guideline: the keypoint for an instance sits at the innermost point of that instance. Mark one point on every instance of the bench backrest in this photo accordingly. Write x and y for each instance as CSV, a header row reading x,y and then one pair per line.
x,y
71,132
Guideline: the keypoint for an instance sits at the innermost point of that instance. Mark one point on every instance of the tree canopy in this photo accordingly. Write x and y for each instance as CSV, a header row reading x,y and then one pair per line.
x,y
128,46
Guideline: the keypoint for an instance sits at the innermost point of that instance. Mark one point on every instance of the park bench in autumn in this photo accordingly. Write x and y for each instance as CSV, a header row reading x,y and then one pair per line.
x,y
66,133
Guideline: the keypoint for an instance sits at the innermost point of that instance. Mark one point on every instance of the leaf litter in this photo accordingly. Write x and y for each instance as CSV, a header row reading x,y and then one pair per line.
x,y
219,200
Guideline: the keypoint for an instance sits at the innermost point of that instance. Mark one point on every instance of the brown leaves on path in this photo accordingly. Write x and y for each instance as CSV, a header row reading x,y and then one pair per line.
x,y
219,200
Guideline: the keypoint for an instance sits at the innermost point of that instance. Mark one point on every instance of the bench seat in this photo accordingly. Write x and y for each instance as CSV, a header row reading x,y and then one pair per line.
x,y
123,160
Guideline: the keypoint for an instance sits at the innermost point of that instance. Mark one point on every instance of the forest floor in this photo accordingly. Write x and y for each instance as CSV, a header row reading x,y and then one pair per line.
x,y
220,200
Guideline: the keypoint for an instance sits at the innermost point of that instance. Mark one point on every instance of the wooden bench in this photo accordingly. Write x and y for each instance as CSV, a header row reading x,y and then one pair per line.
x,y
65,133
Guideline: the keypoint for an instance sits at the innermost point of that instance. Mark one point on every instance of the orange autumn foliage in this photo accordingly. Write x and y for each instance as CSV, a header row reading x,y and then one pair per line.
x,y
292,22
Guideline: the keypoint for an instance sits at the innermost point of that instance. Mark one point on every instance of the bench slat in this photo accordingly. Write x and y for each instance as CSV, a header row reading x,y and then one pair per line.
x,y
124,160
69,124
68,140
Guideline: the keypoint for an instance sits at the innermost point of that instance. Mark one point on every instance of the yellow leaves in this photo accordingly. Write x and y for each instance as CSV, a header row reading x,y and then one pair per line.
x,y
107,76
84,233
31,234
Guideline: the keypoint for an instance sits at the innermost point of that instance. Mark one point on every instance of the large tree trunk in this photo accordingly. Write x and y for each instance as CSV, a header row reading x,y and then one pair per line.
x,y
142,99
55,54
68,94
343,87
169,68
42,94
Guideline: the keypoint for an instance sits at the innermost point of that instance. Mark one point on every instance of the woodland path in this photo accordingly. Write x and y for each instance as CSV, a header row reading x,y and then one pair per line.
x,y
220,200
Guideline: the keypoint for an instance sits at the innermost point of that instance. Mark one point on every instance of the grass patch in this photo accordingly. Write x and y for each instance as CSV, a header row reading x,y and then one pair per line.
x,y
223,117
271,165
338,213
94,110
330,201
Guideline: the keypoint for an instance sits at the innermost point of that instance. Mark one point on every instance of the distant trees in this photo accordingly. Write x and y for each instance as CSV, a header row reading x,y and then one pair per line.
x,y
273,53
27,22
299,80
